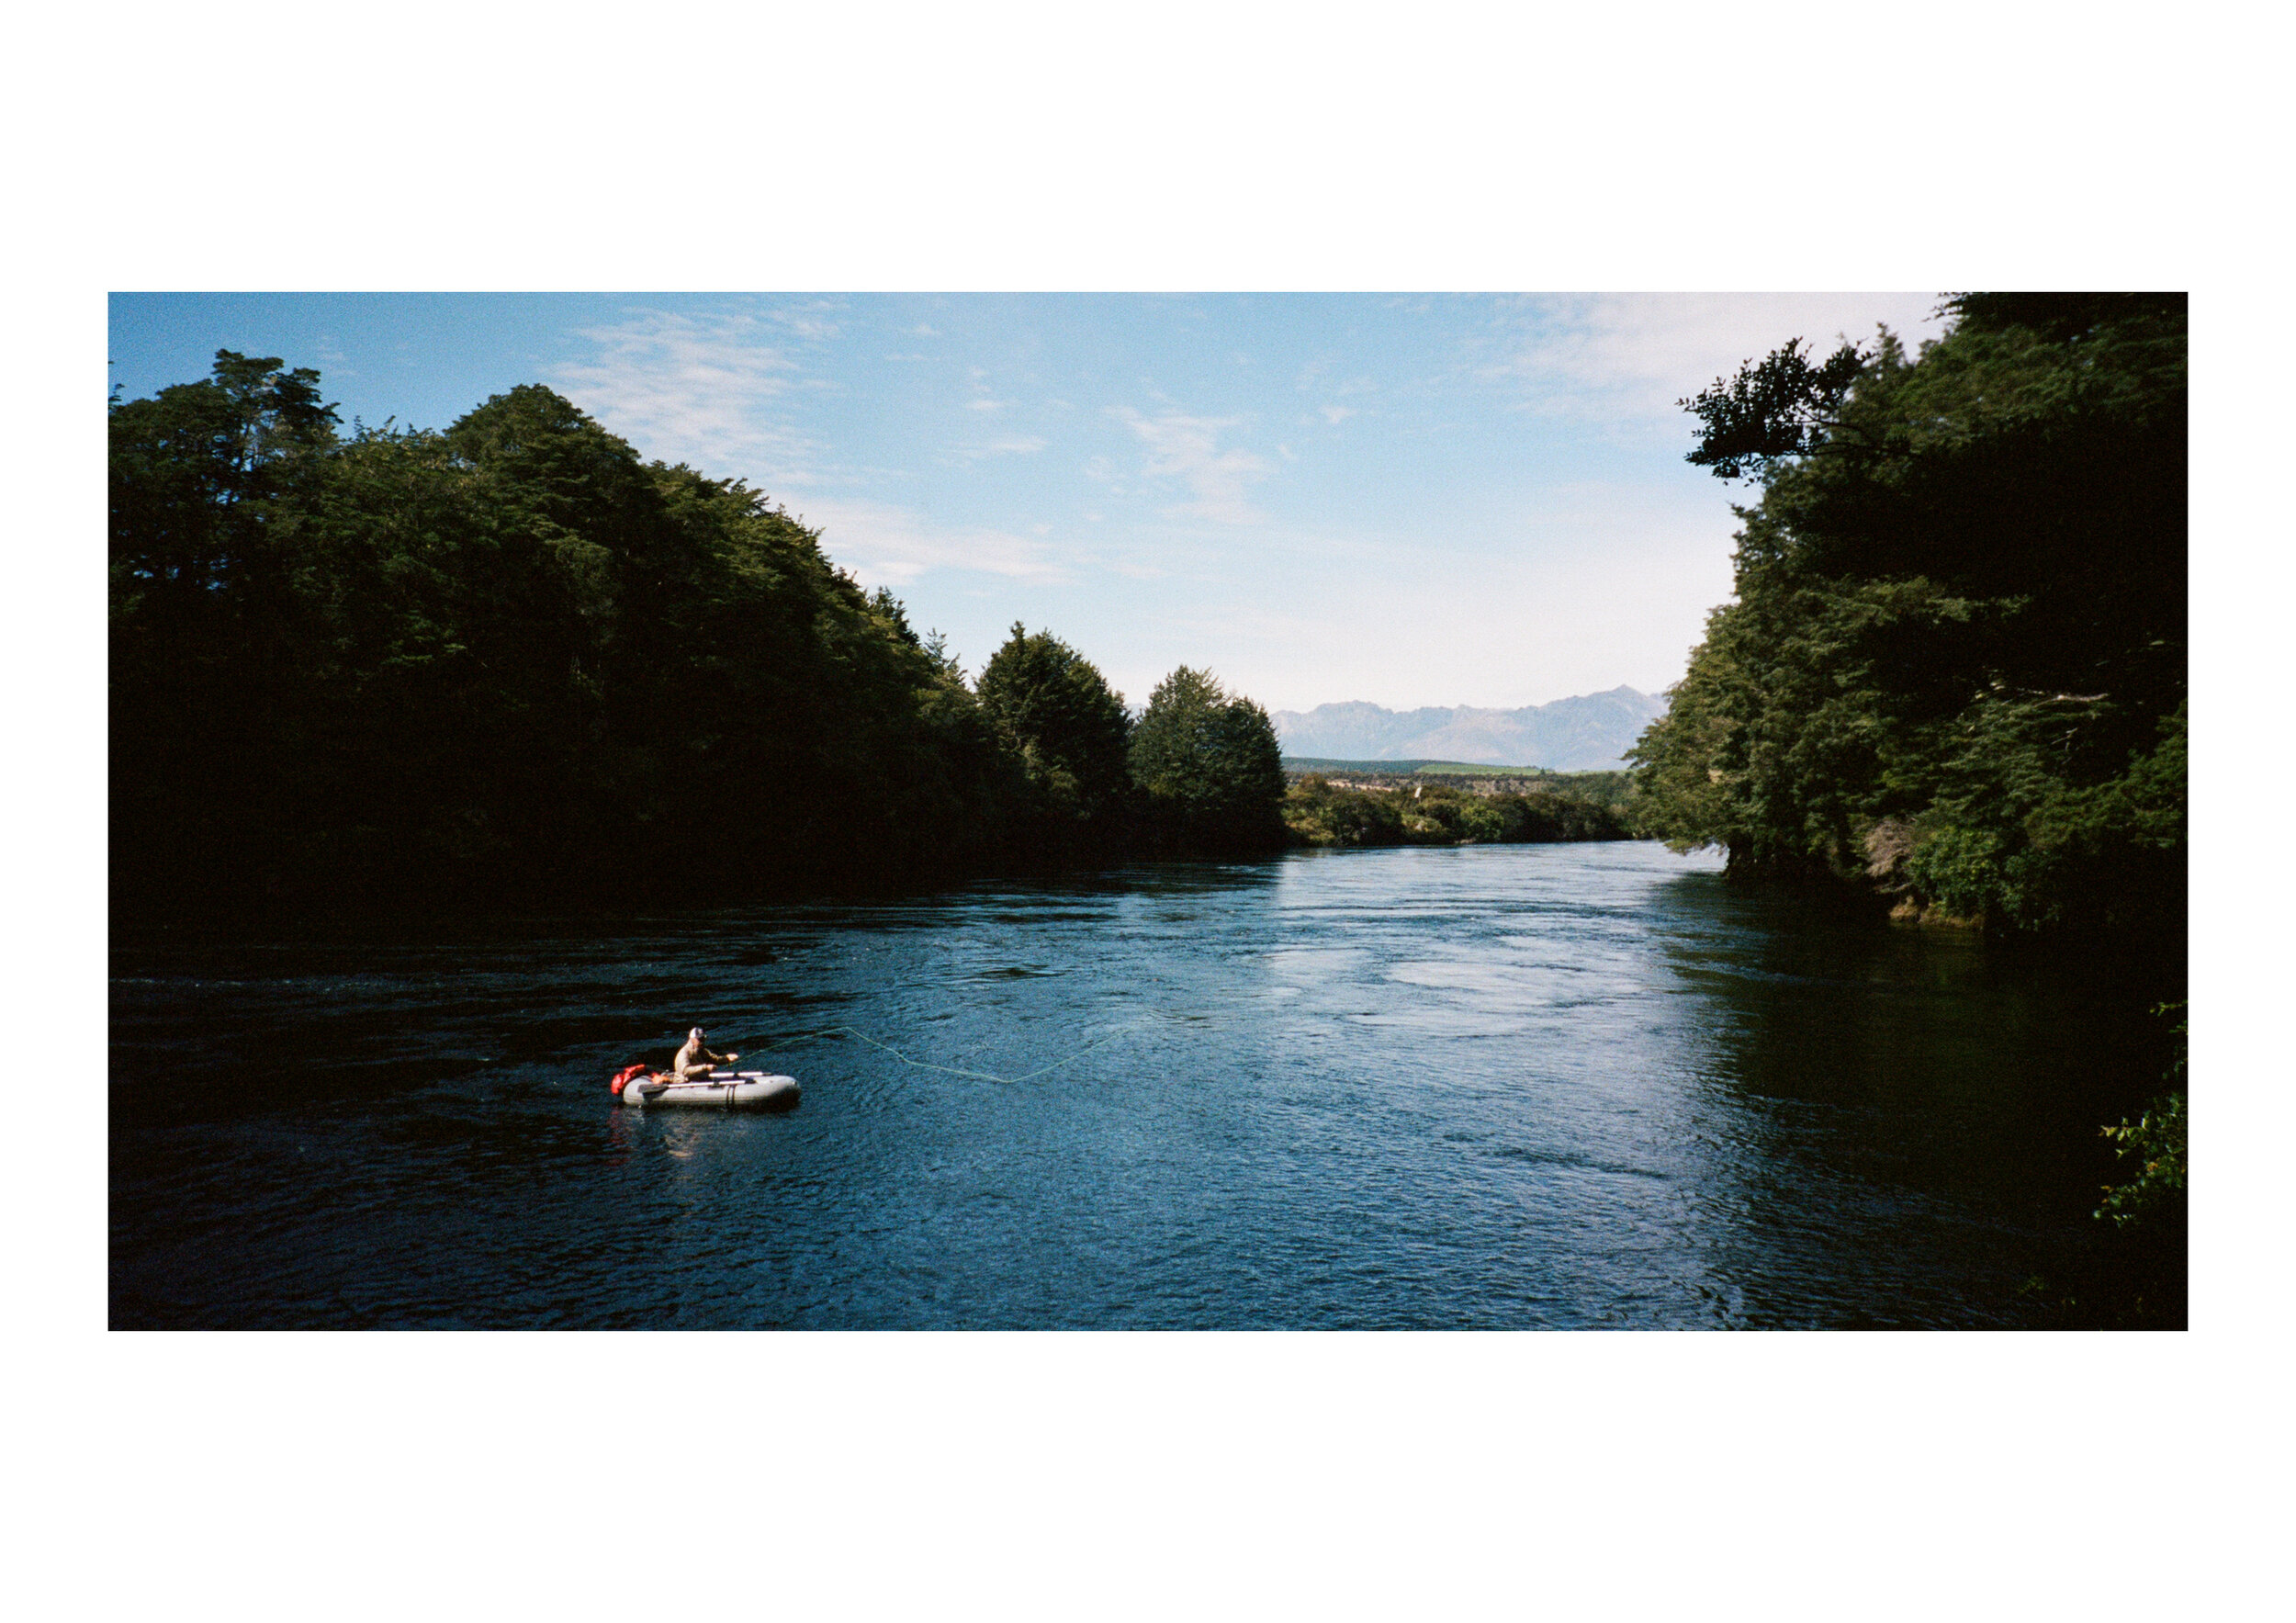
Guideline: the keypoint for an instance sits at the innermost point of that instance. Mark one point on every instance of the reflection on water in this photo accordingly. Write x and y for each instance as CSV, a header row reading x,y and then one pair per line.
x,y
1501,1086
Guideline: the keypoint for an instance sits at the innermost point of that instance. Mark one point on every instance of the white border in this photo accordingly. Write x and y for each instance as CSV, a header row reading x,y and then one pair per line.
x,y
1242,145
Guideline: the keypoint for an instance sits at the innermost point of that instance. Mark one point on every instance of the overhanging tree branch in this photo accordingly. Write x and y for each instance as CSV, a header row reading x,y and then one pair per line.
x,y
1773,411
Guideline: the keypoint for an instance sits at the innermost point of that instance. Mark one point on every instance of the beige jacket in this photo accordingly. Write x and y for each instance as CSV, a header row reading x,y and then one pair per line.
x,y
694,1057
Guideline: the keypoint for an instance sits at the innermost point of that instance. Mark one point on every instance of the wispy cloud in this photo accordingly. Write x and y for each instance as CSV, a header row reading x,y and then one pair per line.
x,y
1012,444
885,544
1312,380
1188,449
1634,355
704,389
812,321
984,397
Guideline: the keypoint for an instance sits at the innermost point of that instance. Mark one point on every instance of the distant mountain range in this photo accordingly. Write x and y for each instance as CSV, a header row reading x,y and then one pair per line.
x,y
1584,734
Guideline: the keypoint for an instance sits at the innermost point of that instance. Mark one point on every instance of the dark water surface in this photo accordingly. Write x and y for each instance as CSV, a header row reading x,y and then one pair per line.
x,y
1503,1086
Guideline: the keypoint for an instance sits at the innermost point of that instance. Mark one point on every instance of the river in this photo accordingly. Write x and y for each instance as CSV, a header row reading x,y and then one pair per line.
x,y
1494,1087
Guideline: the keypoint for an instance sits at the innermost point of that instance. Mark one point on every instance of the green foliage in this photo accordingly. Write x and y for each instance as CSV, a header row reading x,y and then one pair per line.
x,y
513,661
1960,870
1210,770
1613,789
2156,1142
1954,667
506,659
1953,670
1053,709
1771,412
1318,813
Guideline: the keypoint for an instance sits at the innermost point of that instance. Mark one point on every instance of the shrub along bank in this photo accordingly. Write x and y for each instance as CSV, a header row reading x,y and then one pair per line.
x,y
1318,813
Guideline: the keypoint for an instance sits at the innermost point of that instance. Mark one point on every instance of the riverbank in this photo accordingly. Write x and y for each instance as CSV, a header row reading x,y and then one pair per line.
x,y
1319,811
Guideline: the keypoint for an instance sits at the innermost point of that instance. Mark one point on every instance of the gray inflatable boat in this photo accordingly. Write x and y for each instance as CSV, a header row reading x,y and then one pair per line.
x,y
729,1090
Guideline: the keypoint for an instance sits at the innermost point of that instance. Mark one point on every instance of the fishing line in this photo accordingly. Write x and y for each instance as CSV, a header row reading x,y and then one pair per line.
x,y
946,1070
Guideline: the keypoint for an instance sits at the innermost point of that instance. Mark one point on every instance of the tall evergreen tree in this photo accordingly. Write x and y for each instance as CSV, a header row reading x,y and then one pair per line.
x,y
1070,729
1210,770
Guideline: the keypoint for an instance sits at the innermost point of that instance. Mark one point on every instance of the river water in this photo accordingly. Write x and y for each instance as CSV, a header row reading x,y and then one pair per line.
x,y
1494,1087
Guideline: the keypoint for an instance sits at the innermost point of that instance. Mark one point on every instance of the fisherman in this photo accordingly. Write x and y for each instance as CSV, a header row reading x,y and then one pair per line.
x,y
694,1061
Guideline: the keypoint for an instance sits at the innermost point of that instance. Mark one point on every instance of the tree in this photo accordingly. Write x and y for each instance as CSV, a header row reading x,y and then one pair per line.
x,y
1058,712
1210,768
196,475
1956,665
510,659
209,485
1772,412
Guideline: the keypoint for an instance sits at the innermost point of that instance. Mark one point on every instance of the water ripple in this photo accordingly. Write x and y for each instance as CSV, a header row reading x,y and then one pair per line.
x,y
1498,1086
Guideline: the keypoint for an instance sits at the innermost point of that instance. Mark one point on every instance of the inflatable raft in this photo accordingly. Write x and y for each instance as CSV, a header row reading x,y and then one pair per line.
x,y
725,1091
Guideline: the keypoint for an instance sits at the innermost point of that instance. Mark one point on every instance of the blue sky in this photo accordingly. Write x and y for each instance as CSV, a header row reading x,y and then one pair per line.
x,y
1411,499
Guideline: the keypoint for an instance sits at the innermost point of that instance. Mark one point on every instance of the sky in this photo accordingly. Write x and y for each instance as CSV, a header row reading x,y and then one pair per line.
x,y
1414,500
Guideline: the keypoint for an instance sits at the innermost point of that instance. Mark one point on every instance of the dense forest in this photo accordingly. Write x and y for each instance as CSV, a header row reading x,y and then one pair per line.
x,y
1954,674
511,662
1952,681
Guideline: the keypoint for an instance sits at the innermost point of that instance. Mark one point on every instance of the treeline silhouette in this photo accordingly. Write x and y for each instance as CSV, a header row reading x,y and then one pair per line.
x,y
512,663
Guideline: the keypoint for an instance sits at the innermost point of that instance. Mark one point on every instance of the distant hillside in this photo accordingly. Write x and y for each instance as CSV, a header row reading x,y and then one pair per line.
x,y
1584,734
